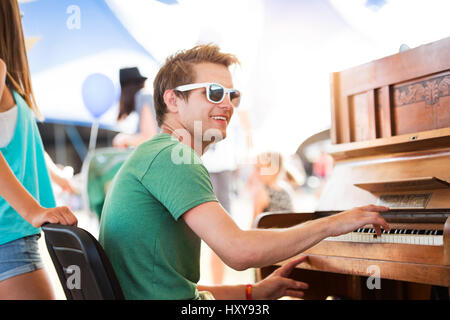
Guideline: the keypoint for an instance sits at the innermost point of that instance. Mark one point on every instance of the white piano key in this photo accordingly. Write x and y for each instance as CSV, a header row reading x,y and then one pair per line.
x,y
403,237
416,239
395,236
420,238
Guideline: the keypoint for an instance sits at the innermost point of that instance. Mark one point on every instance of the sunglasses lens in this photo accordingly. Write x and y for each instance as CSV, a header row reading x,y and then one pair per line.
x,y
216,93
235,97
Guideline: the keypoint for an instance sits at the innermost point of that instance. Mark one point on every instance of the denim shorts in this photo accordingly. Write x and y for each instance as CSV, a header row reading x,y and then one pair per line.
x,y
20,256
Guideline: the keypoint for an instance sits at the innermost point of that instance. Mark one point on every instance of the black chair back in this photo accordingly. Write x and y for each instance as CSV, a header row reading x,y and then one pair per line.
x,y
83,268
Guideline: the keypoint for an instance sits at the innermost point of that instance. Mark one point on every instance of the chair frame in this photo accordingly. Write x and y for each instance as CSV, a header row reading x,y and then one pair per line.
x,y
79,241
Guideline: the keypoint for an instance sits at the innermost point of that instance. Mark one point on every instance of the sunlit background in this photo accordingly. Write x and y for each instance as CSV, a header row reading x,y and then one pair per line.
x,y
287,48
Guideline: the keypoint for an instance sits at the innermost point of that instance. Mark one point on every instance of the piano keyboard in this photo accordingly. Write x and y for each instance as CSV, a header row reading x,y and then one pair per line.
x,y
405,236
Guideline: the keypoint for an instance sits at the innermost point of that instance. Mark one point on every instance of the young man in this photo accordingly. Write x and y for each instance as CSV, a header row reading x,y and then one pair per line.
x,y
161,203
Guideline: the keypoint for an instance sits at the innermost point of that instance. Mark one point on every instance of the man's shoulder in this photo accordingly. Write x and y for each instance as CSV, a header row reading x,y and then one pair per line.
x,y
161,145
163,150
161,142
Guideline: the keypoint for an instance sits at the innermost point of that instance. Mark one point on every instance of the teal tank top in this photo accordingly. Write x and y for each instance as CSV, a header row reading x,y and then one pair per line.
x,y
25,156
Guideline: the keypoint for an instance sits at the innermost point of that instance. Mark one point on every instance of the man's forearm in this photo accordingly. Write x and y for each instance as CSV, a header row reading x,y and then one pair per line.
x,y
269,246
265,247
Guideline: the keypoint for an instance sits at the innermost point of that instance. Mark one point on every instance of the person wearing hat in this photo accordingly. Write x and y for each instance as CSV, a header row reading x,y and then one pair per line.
x,y
133,99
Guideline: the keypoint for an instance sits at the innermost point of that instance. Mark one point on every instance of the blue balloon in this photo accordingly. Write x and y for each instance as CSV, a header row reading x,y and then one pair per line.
x,y
98,94
118,93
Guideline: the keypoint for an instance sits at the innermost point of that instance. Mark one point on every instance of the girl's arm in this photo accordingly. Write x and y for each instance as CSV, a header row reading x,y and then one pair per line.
x,y
57,176
21,200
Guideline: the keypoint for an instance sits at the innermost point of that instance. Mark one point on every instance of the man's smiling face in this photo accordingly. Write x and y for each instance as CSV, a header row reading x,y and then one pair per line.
x,y
214,117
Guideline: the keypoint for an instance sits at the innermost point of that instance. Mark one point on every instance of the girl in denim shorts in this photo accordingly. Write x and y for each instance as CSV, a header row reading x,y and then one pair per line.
x,y
25,188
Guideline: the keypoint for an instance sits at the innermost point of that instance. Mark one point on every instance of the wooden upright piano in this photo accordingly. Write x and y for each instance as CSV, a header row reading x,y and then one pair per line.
x,y
391,146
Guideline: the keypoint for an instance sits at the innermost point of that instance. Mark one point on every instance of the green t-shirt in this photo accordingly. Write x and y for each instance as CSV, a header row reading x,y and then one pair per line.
x,y
154,253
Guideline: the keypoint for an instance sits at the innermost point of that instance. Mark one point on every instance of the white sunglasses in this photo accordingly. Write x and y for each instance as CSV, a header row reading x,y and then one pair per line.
x,y
215,92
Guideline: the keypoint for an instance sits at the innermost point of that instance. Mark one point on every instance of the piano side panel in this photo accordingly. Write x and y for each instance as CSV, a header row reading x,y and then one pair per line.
x,y
447,242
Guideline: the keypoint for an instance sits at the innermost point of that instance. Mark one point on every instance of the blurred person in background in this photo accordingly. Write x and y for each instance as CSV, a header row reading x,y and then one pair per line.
x,y
133,99
21,270
270,185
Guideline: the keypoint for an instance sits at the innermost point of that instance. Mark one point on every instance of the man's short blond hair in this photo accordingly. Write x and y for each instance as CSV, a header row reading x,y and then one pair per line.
x,y
178,70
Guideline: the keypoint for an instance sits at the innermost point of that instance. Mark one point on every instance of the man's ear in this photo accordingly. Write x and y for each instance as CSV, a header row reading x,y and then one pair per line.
x,y
171,100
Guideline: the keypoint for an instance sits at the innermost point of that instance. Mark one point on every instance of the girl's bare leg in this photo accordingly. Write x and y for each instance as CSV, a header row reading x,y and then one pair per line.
x,y
33,285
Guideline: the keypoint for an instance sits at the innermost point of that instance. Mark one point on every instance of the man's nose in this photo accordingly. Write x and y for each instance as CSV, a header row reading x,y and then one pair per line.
x,y
226,103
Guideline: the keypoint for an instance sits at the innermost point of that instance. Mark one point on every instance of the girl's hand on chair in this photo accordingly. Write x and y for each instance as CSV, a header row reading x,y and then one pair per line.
x,y
61,215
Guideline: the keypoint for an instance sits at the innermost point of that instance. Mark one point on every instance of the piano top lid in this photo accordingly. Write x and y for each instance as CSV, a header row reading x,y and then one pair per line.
x,y
425,140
